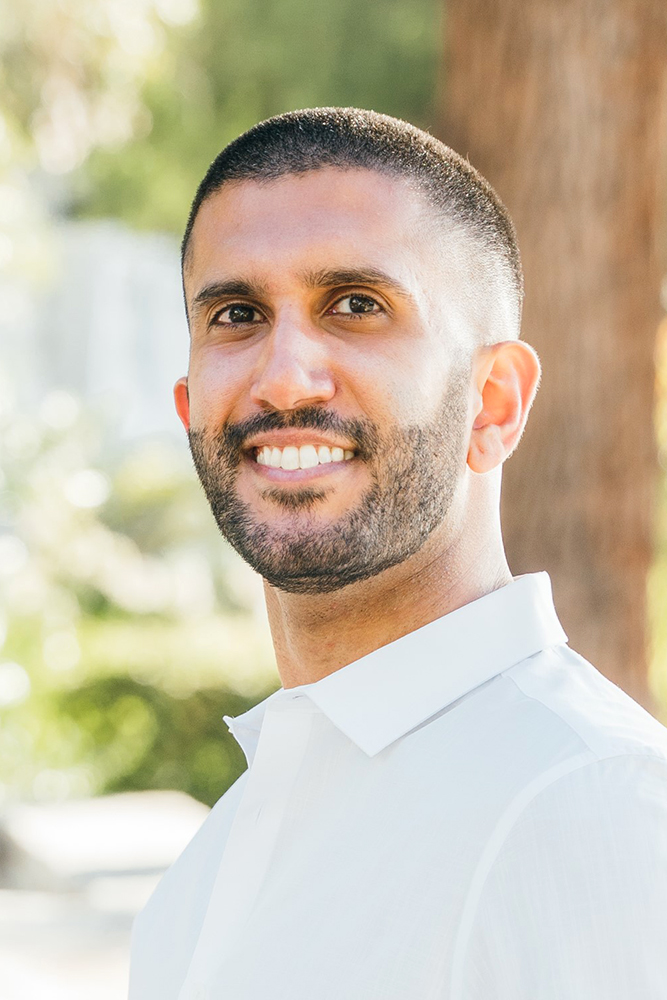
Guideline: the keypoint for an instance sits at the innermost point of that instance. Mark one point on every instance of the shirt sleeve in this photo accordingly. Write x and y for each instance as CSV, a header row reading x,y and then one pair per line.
x,y
574,906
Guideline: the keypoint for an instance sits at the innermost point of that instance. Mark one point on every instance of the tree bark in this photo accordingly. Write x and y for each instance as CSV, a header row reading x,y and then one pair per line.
x,y
561,105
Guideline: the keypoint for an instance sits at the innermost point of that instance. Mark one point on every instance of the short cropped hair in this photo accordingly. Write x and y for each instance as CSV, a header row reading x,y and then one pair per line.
x,y
348,138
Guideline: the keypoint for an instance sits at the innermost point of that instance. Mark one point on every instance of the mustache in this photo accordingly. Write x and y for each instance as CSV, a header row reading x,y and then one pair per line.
x,y
231,438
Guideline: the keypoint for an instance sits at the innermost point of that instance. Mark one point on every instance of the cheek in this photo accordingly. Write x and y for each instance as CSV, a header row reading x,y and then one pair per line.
x,y
393,385
415,393
214,387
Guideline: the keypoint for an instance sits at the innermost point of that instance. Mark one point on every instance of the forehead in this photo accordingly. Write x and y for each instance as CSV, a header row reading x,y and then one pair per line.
x,y
315,217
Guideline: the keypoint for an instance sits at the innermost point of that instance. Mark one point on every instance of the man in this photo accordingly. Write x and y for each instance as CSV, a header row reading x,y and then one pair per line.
x,y
442,800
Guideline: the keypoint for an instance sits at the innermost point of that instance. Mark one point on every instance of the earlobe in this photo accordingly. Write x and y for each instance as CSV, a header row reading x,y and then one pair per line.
x,y
508,379
486,450
182,400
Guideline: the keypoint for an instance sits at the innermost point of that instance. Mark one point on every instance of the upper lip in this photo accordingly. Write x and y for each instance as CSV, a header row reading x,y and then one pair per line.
x,y
296,438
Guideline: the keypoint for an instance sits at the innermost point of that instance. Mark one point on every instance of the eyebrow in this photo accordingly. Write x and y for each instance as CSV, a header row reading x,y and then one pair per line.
x,y
226,289
330,278
322,278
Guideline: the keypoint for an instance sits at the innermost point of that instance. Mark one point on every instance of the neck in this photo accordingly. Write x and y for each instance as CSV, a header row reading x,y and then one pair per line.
x,y
314,635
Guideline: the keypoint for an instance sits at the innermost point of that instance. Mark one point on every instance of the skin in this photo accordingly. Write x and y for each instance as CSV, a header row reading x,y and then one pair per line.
x,y
302,348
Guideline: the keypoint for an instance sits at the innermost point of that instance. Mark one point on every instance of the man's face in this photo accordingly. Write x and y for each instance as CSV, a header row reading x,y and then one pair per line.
x,y
327,333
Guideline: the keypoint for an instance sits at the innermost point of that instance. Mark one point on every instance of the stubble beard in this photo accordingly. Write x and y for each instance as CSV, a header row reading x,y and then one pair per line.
x,y
414,473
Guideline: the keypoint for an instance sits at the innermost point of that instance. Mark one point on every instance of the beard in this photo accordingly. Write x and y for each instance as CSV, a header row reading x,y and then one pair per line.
x,y
414,472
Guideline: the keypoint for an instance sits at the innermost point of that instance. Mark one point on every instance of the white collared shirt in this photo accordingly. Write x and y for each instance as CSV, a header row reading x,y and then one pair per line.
x,y
471,812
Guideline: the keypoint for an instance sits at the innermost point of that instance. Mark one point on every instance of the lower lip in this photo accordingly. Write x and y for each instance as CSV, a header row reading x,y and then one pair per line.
x,y
298,475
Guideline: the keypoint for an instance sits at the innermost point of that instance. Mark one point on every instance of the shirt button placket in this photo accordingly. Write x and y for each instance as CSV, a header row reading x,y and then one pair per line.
x,y
280,751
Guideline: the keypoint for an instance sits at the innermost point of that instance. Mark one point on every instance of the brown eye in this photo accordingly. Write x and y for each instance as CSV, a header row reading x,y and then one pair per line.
x,y
237,314
356,305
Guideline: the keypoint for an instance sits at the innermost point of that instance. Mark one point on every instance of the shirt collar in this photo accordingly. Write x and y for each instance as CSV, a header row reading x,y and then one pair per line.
x,y
384,695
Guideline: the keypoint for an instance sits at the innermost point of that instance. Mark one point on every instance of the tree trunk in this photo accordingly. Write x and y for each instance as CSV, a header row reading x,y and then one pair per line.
x,y
562,107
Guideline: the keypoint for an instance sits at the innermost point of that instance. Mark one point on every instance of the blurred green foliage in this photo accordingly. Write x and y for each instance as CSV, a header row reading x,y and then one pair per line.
x,y
237,63
131,629
140,736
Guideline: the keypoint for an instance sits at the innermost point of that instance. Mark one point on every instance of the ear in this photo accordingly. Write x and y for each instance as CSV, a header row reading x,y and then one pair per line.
x,y
182,400
507,376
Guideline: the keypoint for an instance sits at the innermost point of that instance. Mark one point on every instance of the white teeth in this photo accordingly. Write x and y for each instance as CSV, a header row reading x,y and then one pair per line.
x,y
307,456
290,459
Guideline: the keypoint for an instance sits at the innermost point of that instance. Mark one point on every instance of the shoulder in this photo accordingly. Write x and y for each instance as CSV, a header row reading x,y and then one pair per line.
x,y
530,726
601,803
560,683
164,934
571,897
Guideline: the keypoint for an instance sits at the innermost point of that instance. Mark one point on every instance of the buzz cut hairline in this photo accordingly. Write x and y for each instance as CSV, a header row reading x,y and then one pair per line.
x,y
347,138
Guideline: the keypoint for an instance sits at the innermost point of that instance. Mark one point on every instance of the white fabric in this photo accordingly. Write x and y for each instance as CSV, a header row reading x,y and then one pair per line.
x,y
472,812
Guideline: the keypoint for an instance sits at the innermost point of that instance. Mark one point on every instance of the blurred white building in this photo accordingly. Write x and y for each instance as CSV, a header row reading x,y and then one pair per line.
x,y
104,320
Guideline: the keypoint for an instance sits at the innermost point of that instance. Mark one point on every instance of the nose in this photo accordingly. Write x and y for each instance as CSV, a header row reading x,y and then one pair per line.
x,y
294,367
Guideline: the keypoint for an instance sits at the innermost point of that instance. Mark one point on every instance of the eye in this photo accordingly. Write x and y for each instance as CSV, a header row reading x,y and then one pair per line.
x,y
356,305
236,314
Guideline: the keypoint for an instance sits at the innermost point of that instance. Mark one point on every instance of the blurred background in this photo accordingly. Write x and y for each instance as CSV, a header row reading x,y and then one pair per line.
x,y
127,627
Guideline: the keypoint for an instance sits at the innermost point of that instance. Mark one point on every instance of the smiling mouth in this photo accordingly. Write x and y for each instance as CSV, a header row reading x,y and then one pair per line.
x,y
308,456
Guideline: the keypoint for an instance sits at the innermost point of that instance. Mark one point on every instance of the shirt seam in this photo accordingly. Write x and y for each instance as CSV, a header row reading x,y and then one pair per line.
x,y
600,754
501,833
552,711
